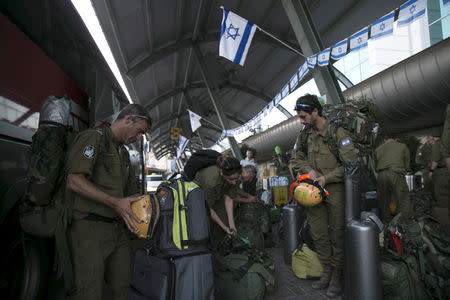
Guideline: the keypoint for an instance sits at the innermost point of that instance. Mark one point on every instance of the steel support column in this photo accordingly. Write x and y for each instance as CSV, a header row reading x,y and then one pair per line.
x,y
217,107
309,41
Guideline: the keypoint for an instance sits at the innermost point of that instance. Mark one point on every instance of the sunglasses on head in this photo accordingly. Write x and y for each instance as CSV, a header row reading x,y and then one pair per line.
x,y
140,117
302,106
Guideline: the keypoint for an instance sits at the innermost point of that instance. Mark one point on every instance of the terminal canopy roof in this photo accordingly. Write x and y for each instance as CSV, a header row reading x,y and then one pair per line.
x,y
159,46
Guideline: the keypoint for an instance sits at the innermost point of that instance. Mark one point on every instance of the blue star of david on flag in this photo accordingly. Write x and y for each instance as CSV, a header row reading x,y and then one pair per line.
x,y
339,50
383,26
411,11
236,35
323,58
230,33
359,39
312,60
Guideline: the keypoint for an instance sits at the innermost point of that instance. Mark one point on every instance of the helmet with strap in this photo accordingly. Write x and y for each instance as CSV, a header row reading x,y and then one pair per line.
x,y
307,191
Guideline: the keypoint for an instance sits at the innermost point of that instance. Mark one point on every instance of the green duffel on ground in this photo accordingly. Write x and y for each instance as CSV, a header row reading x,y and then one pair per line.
x,y
238,277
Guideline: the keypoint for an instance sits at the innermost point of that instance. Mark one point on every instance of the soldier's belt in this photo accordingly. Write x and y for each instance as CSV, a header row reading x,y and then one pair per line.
x,y
99,218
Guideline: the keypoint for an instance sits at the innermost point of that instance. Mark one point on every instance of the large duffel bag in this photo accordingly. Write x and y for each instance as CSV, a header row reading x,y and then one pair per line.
x,y
240,277
400,278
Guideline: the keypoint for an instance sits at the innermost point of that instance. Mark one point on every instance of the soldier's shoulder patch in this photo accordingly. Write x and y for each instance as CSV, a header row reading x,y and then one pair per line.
x,y
345,142
89,152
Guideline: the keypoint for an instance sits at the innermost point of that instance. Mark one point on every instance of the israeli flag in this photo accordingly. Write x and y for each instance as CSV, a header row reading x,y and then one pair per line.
x,y
303,71
339,50
445,2
359,39
323,58
236,35
312,60
284,91
293,81
277,99
410,11
195,120
383,26
182,143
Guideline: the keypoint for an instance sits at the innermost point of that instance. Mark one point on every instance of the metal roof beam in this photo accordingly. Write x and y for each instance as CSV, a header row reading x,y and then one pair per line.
x,y
187,42
198,85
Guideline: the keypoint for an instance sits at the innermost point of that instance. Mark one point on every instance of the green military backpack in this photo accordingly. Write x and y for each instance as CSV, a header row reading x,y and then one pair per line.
x,y
424,246
359,119
44,205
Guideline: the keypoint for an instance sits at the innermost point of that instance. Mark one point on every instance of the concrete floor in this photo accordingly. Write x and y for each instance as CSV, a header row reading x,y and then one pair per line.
x,y
288,286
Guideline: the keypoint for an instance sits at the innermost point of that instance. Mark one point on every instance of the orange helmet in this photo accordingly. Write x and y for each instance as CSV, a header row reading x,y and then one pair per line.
x,y
307,192
147,210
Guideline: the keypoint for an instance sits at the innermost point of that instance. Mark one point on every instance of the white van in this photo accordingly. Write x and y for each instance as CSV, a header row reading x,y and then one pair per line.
x,y
153,181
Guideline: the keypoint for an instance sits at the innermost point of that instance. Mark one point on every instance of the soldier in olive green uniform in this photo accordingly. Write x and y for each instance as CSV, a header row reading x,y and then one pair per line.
x,y
217,191
423,158
220,184
440,175
327,218
392,162
103,187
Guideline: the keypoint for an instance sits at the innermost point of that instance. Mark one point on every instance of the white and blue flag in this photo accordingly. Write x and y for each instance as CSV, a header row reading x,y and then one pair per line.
x,y
359,39
303,71
293,81
312,60
383,26
236,35
182,143
410,11
195,120
339,50
277,100
323,58
284,91
445,2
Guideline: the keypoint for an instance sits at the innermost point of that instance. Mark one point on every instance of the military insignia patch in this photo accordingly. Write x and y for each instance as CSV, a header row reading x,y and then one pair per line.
x,y
89,152
345,142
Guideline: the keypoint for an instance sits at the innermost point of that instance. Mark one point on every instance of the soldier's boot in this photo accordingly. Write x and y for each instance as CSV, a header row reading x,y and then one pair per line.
x,y
324,280
335,287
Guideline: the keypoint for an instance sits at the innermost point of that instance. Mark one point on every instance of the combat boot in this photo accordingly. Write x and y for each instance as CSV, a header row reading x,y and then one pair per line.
x,y
324,280
335,287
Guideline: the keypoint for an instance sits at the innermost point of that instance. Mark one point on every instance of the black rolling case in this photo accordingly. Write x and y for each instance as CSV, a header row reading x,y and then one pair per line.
x,y
152,279
181,278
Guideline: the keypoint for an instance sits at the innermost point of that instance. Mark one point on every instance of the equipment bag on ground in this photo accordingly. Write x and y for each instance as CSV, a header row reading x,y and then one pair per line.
x,y
183,227
238,277
424,245
306,264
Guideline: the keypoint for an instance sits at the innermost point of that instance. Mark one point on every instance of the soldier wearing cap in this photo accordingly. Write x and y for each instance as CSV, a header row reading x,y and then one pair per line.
x,y
103,187
392,163
327,218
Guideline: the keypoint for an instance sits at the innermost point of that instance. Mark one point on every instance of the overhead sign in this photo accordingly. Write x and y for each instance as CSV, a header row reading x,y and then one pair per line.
x,y
174,133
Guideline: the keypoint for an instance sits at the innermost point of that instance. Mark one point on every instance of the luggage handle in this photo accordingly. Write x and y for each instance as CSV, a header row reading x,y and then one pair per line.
x,y
374,218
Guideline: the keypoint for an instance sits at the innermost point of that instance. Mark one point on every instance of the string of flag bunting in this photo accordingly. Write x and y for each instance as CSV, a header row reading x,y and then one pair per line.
x,y
236,35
